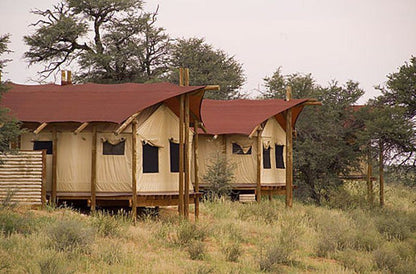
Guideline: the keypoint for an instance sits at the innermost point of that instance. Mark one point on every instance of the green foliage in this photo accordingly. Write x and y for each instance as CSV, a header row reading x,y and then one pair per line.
x,y
396,258
71,235
232,251
355,260
126,46
187,233
196,250
9,126
400,88
326,145
207,66
11,222
219,176
395,224
106,224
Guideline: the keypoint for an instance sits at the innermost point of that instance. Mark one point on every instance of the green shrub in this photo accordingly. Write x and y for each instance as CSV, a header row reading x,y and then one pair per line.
x,y
232,251
272,256
395,224
111,254
69,235
187,232
355,260
105,224
11,222
219,176
52,265
196,250
7,202
336,232
263,212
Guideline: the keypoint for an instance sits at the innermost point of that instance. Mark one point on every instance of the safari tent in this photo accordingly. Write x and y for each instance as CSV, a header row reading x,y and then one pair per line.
x,y
253,135
107,144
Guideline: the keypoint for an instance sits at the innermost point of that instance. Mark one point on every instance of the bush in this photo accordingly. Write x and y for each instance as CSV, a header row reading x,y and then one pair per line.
x,y
219,176
187,232
11,222
357,261
336,232
231,251
395,224
196,250
69,235
274,255
106,224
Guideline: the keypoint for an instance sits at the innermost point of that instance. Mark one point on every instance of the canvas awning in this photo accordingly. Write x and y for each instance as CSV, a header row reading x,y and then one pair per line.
x,y
94,102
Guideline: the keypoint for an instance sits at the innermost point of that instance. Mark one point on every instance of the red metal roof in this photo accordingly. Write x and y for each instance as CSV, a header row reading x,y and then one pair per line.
x,y
242,116
92,102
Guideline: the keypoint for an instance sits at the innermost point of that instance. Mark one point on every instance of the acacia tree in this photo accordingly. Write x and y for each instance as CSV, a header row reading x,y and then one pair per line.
x,y
400,89
126,45
207,66
9,127
326,145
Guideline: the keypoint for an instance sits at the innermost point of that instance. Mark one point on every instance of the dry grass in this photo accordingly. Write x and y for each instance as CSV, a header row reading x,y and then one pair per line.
x,y
228,238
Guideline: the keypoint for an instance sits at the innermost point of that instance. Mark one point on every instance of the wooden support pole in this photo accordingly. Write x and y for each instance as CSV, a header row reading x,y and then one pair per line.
x,y
289,152
259,151
134,169
181,154
187,147
370,194
381,173
196,168
43,189
93,168
187,160
54,163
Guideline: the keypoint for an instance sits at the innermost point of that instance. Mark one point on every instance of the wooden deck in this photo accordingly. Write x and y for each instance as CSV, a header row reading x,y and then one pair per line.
x,y
125,198
266,189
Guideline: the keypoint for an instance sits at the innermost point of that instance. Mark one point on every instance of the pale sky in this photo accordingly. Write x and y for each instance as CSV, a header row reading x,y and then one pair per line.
x,y
332,39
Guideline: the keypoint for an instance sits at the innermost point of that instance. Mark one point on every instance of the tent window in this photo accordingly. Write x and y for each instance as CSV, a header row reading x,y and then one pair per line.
x,y
41,145
150,159
110,149
237,149
174,157
279,156
266,158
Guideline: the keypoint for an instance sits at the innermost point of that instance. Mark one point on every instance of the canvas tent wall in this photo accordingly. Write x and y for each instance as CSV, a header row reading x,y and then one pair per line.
x,y
158,130
238,122
245,164
67,117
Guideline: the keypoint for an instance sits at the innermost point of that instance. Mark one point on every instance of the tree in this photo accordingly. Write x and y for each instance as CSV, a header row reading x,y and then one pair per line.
x,y
207,66
9,127
126,44
400,89
326,146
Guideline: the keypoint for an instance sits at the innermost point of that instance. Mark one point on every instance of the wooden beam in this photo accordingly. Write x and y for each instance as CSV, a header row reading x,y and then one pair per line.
x,y
187,160
311,103
81,128
126,123
254,131
134,146
39,128
187,148
259,151
54,163
196,168
289,152
181,154
212,87
370,194
93,168
381,172
43,189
